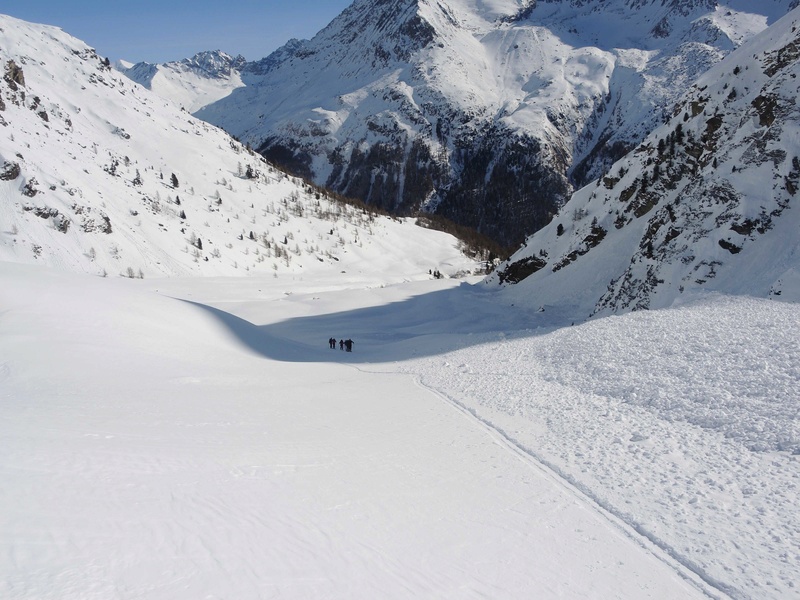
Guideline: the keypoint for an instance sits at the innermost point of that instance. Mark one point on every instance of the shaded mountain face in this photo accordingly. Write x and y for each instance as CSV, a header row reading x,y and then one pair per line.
x,y
488,113
102,176
705,202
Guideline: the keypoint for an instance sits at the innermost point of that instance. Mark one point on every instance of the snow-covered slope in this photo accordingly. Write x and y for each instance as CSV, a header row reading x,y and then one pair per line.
x,y
190,83
157,448
100,175
479,110
706,202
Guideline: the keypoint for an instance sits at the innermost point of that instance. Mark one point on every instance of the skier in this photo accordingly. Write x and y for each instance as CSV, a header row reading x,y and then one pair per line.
x,y
341,344
349,345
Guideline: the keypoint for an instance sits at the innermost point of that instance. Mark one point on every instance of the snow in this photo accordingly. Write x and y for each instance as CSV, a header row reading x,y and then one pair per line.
x,y
683,422
186,437
183,437
192,83
194,95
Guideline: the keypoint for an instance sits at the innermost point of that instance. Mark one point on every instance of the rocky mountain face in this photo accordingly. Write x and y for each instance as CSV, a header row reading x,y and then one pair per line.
x,y
102,176
488,113
705,203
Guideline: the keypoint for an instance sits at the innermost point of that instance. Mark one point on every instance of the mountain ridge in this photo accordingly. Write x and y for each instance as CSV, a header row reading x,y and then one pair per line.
x,y
192,82
489,116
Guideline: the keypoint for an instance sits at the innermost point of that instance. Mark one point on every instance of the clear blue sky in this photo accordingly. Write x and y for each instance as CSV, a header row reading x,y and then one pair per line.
x,y
160,31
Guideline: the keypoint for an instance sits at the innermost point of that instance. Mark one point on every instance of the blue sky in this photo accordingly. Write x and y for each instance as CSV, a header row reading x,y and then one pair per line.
x,y
159,31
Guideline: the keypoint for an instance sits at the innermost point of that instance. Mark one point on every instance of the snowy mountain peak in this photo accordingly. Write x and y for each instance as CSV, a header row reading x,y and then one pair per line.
x,y
215,64
191,82
263,66
489,113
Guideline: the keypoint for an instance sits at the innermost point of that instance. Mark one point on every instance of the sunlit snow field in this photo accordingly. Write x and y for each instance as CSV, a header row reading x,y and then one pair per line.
x,y
197,438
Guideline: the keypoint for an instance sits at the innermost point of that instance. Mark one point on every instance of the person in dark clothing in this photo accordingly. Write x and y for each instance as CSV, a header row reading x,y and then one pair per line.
x,y
332,343
341,344
349,345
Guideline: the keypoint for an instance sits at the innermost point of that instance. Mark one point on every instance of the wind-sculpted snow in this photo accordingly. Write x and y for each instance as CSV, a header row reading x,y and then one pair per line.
x,y
681,422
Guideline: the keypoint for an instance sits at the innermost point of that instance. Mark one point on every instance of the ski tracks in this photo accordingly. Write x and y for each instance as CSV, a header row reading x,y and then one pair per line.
x,y
619,521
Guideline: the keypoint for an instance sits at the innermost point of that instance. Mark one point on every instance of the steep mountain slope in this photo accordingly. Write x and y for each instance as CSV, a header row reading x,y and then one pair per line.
x,y
193,82
706,202
479,111
98,174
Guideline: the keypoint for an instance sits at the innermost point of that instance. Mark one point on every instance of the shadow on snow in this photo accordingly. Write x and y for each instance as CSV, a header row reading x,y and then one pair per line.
x,y
423,325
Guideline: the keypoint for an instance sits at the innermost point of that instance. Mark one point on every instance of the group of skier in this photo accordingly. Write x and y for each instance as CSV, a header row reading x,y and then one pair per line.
x,y
343,344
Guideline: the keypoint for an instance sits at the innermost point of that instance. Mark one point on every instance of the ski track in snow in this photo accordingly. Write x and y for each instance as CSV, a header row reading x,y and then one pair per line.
x,y
657,547
670,420
533,460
